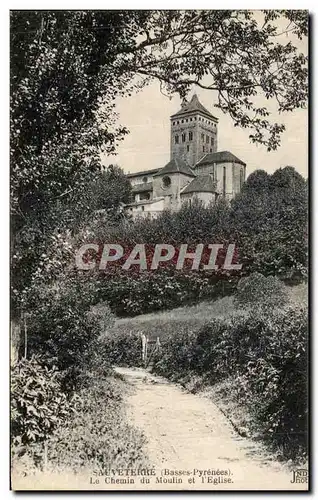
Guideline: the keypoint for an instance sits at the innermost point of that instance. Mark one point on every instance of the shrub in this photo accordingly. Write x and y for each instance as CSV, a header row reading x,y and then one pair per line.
x,y
140,293
121,348
38,403
65,324
177,355
257,291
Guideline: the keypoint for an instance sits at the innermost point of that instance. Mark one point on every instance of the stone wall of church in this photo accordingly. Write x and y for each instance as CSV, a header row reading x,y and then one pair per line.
x,y
177,182
239,176
205,198
192,137
233,174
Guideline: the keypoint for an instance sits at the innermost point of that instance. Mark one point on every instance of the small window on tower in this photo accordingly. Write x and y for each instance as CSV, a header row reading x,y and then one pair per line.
x,y
212,141
187,120
203,149
188,148
190,136
207,139
182,121
202,137
211,150
176,139
174,123
183,137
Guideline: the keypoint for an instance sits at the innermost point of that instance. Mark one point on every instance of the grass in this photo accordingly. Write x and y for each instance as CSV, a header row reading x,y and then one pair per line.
x,y
192,317
157,323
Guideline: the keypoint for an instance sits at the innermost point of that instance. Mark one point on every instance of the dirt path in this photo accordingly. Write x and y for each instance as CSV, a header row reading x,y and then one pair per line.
x,y
187,432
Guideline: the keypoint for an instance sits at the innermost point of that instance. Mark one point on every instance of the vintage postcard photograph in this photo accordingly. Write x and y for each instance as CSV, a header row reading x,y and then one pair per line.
x,y
159,250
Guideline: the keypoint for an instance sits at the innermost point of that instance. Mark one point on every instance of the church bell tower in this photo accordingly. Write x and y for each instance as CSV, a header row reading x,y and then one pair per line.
x,y
193,132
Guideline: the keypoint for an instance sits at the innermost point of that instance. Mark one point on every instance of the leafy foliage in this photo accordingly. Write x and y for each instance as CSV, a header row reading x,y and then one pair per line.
x,y
94,435
39,406
65,326
121,349
258,291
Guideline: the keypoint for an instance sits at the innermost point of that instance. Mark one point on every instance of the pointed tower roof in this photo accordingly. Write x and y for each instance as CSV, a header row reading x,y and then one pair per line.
x,y
176,165
193,106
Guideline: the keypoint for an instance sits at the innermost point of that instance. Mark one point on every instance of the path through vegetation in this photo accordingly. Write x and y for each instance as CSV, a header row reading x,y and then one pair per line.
x,y
187,431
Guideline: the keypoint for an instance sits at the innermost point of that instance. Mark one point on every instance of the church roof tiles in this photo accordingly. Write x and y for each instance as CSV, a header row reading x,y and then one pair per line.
x,y
201,184
176,165
220,157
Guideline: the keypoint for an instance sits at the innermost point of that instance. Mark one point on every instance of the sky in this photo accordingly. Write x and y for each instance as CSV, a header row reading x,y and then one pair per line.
x,y
147,116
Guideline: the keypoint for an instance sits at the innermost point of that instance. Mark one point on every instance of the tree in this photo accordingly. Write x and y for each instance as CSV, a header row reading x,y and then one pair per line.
x,y
110,188
68,68
269,219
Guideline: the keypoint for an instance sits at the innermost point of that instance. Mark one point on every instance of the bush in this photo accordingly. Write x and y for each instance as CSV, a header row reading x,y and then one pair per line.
x,y
121,349
257,291
38,404
65,324
177,355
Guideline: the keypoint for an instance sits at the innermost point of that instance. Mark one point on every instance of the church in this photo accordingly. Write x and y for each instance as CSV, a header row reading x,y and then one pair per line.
x,y
196,170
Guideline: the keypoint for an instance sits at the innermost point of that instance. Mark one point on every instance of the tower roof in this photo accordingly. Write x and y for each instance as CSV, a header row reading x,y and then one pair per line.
x,y
220,157
201,184
193,106
176,165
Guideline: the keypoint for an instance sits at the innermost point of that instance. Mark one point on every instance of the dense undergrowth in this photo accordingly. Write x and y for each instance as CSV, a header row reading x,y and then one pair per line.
x,y
55,432
265,355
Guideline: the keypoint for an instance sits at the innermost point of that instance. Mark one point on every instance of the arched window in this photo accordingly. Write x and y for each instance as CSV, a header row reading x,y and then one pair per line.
x,y
176,139
207,139
190,136
183,137
188,148
145,179
166,182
